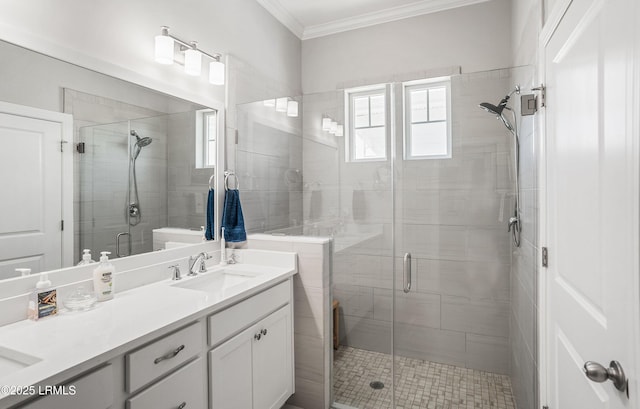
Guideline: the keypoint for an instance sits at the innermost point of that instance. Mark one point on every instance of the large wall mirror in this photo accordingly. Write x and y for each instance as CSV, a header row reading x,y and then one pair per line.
x,y
142,161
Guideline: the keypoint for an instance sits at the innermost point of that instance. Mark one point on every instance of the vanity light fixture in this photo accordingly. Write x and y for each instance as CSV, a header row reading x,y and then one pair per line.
x,y
333,128
164,52
269,103
192,60
292,108
326,123
281,104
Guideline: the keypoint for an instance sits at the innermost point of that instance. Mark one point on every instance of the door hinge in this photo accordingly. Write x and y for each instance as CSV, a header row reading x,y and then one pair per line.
x,y
543,94
62,225
545,407
62,145
236,136
545,257
80,148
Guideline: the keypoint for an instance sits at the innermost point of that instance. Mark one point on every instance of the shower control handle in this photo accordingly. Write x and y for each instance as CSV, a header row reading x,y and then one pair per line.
x,y
406,270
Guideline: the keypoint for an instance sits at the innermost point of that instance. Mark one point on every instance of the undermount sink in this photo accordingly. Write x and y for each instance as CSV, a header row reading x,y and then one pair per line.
x,y
12,361
217,281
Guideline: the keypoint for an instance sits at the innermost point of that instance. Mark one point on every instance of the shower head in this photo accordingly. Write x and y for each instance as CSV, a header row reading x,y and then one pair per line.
x,y
140,143
502,105
493,109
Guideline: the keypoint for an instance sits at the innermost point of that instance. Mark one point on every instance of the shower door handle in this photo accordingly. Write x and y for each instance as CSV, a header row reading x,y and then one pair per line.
x,y
406,267
118,243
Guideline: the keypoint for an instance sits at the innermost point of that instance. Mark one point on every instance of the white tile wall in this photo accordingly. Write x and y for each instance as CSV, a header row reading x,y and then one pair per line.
x,y
312,315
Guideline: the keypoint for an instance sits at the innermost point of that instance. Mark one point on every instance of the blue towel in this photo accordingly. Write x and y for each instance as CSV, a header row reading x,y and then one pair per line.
x,y
211,218
232,218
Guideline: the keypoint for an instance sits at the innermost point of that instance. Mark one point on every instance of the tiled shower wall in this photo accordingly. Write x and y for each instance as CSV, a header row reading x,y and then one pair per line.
x,y
451,215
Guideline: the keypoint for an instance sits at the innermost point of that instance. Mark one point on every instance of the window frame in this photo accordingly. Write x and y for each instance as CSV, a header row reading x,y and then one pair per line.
x,y
349,96
425,84
203,129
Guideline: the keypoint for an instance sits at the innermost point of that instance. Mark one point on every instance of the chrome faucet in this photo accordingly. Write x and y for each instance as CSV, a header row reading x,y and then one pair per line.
x,y
176,272
198,260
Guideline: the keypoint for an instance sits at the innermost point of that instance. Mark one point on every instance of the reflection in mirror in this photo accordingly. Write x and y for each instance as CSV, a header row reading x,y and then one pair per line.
x,y
139,183
269,164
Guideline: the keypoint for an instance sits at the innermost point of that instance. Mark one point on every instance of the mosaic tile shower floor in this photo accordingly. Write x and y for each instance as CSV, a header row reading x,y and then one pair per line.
x,y
423,384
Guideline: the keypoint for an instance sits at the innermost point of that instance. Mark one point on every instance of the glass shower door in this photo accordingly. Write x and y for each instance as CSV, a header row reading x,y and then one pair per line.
x,y
362,280
103,173
452,202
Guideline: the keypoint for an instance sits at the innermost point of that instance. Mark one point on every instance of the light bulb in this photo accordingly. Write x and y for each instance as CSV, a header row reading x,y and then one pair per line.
x,y
340,130
269,102
164,50
192,62
333,128
292,108
216,73
326,124
281,104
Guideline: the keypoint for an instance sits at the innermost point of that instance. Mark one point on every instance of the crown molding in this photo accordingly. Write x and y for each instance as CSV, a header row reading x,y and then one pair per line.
x,y
378,17
281,14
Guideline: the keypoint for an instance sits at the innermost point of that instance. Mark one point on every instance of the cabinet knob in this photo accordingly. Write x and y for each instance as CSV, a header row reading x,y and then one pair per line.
x,y
264,331
182,405
257,336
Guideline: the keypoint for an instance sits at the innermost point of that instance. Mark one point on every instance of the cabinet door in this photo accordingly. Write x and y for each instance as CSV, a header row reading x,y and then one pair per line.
x,y
272,360
230,373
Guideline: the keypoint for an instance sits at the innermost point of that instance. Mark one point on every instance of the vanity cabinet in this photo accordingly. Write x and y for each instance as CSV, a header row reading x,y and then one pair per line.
x,y
90,391
254,369
248,345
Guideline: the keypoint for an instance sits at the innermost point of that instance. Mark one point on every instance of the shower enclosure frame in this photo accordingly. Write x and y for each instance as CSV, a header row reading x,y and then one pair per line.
x,y
398,165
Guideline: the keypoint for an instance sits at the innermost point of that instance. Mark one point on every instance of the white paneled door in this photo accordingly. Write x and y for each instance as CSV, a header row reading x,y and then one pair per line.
x,y
591,205
31,209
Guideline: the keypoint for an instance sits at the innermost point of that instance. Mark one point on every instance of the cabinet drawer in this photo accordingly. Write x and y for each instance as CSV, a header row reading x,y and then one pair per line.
x,y
228,322
163,355
183,389
92,391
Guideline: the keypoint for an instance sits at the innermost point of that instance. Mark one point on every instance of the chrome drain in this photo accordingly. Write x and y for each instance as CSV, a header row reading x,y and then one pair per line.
x,y
376,385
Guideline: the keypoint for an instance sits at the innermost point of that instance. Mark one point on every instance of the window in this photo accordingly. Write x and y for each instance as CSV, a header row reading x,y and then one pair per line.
x,y
206,135
427,111
367,135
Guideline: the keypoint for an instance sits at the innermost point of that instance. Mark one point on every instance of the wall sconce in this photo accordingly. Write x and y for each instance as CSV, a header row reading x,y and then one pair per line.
x,y
164,53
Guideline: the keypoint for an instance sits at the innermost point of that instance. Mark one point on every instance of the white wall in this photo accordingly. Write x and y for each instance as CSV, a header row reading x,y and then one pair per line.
x,y
116,38
470,37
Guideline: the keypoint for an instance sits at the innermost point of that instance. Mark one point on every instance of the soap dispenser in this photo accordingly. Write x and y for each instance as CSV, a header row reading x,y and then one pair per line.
x,y
103,277
44,299
86,258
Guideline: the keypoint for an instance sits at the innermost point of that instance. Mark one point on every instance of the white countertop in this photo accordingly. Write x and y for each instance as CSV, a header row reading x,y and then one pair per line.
x,y
73,341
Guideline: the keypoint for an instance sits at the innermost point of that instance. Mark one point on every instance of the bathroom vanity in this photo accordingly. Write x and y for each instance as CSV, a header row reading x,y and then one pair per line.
x,y
221,339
